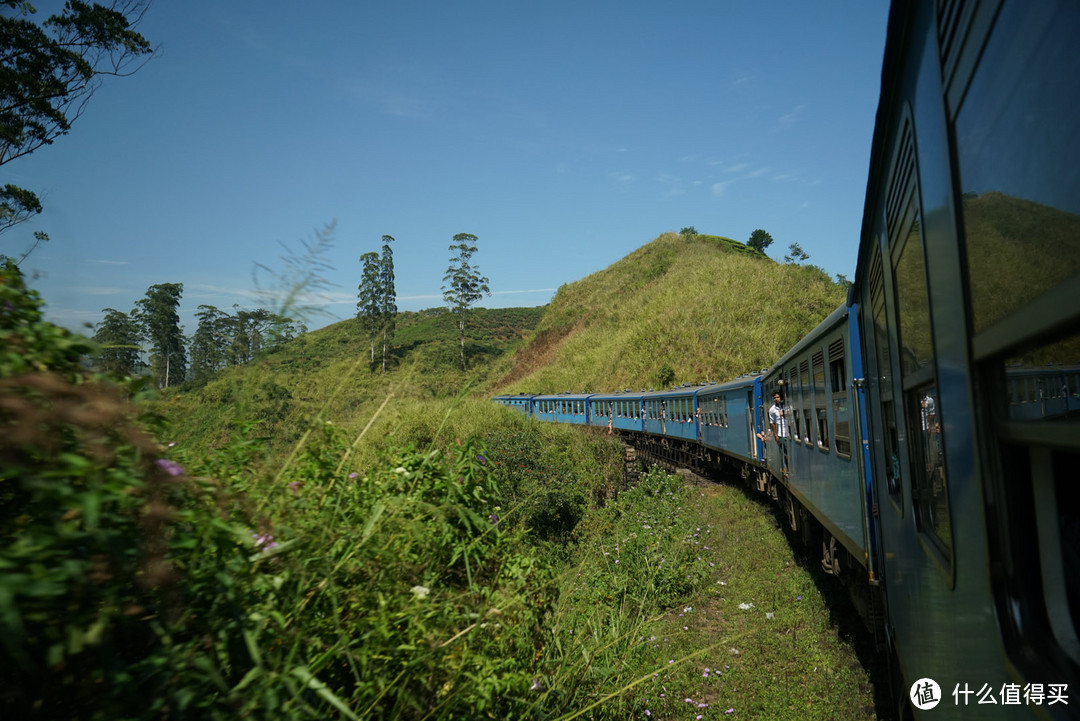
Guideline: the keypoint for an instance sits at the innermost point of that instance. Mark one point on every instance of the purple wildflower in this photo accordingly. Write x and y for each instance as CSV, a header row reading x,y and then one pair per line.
x,y
264,541
295,486
481,459
352,476
171,467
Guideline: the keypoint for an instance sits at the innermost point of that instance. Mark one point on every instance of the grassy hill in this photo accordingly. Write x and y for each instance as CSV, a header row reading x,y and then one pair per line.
x,y
325,374
677,309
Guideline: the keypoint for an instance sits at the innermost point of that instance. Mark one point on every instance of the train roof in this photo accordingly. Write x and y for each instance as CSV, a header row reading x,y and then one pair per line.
x,y
563,396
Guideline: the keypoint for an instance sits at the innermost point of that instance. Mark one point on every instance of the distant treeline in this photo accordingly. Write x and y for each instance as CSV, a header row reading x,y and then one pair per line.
x,y
150,339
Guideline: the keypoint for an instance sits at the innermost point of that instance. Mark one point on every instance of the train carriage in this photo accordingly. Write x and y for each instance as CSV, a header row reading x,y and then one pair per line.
x,y
670,414
974,169
521,402
621,410
562,408
728,421
820,464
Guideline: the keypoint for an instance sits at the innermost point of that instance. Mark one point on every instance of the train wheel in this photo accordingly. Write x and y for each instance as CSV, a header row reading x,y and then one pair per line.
x,y
830,554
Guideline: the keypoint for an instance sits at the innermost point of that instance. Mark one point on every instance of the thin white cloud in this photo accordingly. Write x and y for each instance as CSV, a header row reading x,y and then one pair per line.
x,y
621,177
112,262
101,290
788,120
718,189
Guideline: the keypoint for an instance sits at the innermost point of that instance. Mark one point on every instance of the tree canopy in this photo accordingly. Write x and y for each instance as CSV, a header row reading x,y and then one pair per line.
x,y
157,314
48,73
760,240
796,254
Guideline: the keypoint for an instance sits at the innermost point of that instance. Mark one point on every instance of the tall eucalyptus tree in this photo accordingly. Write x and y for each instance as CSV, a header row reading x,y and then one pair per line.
x,y
388,302
157,315
465,284
369,305
120,338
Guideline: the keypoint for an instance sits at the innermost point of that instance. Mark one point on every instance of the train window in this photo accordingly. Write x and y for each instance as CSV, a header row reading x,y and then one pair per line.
x,y
838,389
930,493
821,412
913,300
883,363
925,451
806,399
1017,152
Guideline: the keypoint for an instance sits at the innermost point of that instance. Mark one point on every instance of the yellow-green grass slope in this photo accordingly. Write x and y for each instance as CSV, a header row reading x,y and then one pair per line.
x,y
676,310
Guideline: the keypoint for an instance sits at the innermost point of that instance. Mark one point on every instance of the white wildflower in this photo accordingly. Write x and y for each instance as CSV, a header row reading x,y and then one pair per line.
x,y
746,606
420,592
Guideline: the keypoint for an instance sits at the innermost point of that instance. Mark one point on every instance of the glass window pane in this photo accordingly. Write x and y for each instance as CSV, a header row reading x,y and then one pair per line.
x,y
913,301
1018,150
929,466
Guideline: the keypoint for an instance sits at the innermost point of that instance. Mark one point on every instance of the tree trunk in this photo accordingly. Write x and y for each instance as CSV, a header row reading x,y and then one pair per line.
x,y
461,330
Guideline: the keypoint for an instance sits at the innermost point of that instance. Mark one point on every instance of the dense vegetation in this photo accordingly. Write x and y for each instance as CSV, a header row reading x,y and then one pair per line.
x,y
309,539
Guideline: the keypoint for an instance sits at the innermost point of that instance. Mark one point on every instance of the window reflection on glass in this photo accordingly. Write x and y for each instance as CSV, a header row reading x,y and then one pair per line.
x,y
843,426
890,438
932,497
913,300
1044,383
1018,150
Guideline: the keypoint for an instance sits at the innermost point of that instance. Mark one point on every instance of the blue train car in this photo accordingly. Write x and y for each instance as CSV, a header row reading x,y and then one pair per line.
x,y
562,408
972,169
1047,392
728,418
521,402
670,413
621,410
819,464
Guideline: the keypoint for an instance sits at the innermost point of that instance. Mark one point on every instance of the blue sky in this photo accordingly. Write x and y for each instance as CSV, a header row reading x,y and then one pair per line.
x,y
562,134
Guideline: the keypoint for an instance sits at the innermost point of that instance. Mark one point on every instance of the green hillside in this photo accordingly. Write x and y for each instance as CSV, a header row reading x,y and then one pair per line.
x,y
675,310
325,374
